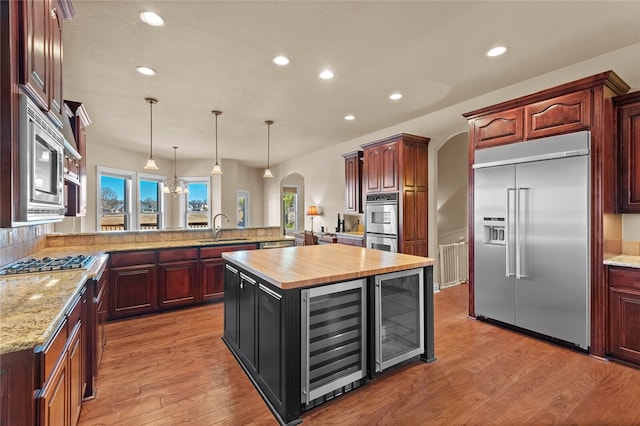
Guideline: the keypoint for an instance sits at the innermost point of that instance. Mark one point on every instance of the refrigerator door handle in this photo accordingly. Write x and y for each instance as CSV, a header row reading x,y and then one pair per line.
x,y
520,233
508,249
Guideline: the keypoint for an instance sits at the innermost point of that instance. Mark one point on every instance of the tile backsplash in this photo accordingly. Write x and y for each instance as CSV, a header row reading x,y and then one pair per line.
x,y
16,243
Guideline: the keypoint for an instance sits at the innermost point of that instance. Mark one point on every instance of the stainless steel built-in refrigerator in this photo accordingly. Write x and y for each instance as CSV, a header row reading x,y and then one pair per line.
x,y
531,242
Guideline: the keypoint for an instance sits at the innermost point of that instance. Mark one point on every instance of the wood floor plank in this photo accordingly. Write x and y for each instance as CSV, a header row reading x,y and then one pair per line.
x,y
173,369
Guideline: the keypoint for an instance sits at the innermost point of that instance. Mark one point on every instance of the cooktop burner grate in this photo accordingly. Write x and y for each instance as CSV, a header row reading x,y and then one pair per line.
x,y
47,264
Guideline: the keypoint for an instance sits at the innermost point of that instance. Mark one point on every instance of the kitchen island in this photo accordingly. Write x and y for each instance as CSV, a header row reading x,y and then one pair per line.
x,y
310,323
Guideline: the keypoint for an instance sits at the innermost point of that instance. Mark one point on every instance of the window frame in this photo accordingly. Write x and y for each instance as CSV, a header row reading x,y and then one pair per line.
x,y
243,193
129,195
162,216
184,223
295,209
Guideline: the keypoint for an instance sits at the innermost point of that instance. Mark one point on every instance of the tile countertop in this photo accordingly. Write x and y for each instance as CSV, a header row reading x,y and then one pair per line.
x,y
32,306
624,260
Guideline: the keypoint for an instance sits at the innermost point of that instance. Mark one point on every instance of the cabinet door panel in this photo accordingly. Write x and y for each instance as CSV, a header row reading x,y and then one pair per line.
x,y
373,169
212,282
53,402
76,374
390,167
36,50
55,104
231,290
270,339
246,317
629,136
563,114
178,284
498,129
132,291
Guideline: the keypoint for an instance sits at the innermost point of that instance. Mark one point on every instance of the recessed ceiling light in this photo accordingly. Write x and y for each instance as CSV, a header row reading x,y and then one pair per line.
x,y
151,18
349,117
496,51
281,60
326,75
146,70
395,96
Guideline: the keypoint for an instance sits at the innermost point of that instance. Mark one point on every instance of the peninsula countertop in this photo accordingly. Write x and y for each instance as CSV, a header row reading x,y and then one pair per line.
x,y
306,266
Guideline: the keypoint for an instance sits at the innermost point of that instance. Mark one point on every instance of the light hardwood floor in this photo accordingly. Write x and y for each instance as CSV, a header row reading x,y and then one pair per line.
x,y
173,369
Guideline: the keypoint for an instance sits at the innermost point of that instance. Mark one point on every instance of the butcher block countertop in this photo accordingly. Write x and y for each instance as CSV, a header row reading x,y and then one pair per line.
x,y
306,266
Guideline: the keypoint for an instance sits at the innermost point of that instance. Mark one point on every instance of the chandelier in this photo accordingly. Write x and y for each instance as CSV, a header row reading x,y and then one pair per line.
x,y
174,185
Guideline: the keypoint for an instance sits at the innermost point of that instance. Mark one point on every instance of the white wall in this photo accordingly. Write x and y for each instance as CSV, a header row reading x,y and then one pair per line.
x,y
323,170
452,194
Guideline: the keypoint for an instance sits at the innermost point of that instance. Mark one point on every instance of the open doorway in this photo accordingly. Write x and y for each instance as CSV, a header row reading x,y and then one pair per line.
x,y
292,199
452,210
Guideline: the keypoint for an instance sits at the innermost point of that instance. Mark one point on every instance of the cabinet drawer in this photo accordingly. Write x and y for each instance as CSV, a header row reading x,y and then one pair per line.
x,y
132,258
173,255
212,252
52,351
624,277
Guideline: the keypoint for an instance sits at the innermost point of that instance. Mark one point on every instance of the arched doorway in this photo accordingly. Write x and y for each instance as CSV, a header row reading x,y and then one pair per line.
x,y
292,203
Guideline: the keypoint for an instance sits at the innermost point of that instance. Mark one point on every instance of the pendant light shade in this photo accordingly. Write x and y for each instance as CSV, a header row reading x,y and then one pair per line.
x,y
151,164
216,167
267,172
174,185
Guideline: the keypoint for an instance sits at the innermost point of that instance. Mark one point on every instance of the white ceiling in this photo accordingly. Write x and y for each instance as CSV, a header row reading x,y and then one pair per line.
x,y
217,55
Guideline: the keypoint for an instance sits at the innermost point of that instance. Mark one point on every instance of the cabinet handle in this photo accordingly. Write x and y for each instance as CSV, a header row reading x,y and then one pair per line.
x,y
270,292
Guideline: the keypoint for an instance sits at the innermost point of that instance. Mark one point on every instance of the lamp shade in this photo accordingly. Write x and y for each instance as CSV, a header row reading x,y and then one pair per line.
x,y
312,211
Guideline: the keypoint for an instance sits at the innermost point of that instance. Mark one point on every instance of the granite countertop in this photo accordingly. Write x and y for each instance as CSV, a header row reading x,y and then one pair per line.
x,y
306,266
32,306
624,260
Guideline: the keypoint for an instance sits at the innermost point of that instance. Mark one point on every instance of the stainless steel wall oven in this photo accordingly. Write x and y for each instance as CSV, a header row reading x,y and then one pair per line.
x,y
381,222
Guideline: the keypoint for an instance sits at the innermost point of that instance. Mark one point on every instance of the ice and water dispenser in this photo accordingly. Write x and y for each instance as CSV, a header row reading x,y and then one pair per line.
x,y
494,230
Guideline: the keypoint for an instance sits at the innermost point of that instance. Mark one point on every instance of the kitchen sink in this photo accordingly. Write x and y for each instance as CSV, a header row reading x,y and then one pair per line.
x,y
217,240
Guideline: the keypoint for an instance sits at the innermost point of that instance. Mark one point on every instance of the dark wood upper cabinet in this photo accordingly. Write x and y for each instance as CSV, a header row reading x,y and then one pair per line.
x,y
628,132
76,184
400,164
353,163
498,128
561,114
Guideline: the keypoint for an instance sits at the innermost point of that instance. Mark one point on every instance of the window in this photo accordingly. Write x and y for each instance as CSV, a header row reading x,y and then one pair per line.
x,y
150,203
242,215
196,208
114,200
289,208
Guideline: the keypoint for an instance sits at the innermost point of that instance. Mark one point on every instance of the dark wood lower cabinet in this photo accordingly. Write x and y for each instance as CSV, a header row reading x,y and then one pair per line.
x,y
132,291
624,314
178,279
212,279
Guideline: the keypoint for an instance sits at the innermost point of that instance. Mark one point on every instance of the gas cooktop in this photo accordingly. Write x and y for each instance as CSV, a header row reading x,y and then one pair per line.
x,y
46,264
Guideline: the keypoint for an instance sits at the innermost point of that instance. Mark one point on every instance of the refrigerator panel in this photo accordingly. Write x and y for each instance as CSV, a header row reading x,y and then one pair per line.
x,y
495,293
552,248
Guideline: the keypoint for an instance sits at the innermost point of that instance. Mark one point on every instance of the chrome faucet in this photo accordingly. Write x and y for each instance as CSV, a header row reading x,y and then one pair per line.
x,y
217,230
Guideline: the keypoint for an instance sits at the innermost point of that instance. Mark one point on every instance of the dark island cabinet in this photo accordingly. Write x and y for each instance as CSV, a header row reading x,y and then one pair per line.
x,y
132,284
624,314
178,277
261,328
628,131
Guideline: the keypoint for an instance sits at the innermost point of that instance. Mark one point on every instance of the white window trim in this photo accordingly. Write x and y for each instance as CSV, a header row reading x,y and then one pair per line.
x,y
247,208
131,194
161,199
297,209
183,202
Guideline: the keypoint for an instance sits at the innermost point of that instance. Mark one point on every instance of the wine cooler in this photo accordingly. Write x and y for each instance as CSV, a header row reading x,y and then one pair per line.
x,y
399,317
333,339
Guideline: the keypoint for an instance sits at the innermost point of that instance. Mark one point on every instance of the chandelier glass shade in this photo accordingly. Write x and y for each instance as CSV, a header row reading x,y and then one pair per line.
x,y
151,164
174,185
267,172
216,167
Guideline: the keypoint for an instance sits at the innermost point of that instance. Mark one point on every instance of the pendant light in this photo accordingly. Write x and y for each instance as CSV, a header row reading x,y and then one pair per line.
x,y
267,172
174,185
216,167
151,164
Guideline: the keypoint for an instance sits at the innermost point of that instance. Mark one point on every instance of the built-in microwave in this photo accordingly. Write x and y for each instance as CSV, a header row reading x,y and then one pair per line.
x,y
41,166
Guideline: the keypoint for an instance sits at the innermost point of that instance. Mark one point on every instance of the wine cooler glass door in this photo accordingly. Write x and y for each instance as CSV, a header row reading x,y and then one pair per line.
x,y
399,317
